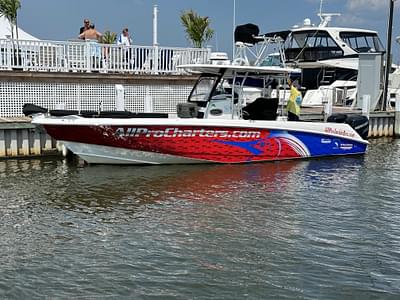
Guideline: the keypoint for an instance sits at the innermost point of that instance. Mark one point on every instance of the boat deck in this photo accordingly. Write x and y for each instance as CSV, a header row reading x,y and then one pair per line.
x,y
307,114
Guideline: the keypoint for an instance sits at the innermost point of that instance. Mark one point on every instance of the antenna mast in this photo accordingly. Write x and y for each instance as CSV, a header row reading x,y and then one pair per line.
x,y
325,18
320,10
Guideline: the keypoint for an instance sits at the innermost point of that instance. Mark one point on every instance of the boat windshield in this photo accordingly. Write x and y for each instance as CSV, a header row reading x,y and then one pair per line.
x,y
311,45
362,41
202,90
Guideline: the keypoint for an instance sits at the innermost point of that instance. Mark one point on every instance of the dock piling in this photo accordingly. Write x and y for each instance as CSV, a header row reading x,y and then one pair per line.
x,y
397,117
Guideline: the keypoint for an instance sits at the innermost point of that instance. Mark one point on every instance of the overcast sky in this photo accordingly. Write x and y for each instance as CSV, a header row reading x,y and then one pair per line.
x,y
61,19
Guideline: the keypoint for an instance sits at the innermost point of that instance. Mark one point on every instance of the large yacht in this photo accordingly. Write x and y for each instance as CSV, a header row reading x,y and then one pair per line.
x,y
325,53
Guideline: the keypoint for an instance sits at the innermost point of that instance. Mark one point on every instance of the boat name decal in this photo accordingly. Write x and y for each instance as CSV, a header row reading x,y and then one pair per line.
x,y
341,132
176,132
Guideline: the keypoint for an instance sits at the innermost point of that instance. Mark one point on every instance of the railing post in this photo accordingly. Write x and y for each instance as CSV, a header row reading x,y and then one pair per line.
x,y
9,54
88,57
156,50
208,53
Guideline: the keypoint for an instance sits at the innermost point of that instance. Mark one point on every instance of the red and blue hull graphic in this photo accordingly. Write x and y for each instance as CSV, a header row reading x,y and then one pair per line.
x,y
208,143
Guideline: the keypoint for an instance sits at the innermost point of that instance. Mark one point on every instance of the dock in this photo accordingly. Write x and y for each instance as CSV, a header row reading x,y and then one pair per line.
x,y
64,76
20,139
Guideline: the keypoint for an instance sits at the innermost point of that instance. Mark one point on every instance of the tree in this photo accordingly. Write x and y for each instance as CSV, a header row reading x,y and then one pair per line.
x,y
197,28
108,37
9,9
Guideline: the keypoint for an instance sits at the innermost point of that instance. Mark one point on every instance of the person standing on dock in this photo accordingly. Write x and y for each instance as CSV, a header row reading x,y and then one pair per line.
x,y
125,40
86,26
294,102
90,34
92,37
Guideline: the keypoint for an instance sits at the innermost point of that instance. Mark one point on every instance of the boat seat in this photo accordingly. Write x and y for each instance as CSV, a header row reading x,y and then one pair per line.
x,y
261,109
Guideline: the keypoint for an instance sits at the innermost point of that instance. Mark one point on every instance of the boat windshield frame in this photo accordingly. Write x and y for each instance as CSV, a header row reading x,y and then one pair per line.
x,y
367,38
201,94
215,89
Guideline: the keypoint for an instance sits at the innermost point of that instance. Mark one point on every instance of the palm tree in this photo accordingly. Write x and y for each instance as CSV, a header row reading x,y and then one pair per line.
x,y
9,9
108,37
197,28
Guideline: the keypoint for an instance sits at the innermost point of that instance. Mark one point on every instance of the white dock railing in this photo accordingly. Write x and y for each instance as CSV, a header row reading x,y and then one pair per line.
x,y
91,56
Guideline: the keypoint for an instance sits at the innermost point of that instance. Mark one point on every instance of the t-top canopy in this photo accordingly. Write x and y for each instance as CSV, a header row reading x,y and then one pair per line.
x,y
246,33
230,69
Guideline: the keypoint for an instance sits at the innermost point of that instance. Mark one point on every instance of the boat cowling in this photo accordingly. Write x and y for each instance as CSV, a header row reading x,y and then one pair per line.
x,y
358,122
337,118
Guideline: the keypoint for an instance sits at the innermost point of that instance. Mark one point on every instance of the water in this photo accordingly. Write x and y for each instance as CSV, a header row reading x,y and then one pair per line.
x,y
315,229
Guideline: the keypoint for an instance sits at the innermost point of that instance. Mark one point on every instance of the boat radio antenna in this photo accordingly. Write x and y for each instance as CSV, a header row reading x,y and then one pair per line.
x,y
325,17
320,10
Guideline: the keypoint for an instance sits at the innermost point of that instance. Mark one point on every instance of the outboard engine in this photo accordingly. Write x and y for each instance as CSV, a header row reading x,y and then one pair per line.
x,y
337,118
359,123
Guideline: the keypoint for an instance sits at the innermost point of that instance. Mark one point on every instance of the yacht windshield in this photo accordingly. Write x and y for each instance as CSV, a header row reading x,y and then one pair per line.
x,y
362,41
311,45
203,88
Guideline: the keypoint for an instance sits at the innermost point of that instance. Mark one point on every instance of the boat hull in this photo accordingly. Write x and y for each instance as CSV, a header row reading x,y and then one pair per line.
x,y
178,144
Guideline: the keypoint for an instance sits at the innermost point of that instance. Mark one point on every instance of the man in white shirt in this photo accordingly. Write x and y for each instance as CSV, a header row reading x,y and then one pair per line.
x,y
125,40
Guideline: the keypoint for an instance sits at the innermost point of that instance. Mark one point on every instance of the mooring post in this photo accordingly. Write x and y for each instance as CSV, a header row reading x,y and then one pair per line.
x,y
3,151
328,105
366,103
148,101
397,117
120,99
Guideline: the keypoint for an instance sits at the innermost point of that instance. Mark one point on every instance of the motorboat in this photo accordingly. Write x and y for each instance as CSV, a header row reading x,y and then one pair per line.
x,y
339,93
215,125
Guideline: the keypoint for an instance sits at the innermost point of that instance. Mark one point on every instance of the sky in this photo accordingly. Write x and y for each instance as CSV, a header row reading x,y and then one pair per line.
x,y
61,19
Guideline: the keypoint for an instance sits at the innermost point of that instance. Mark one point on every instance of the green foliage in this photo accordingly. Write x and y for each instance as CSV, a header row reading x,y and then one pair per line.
x,y
9,9
108,37
197,28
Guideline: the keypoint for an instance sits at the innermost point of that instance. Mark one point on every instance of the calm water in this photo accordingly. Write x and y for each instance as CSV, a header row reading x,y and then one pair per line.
x,y
316,229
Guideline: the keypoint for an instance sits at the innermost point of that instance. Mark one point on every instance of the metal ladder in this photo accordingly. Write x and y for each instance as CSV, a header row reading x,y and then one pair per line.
x,y
328,76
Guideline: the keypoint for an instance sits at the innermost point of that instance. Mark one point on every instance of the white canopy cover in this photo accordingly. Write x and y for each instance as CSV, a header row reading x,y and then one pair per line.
x,y
5,31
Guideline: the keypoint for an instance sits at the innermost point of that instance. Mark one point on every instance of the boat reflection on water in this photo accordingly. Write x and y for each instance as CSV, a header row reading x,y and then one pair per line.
x,y
97,189
113,185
